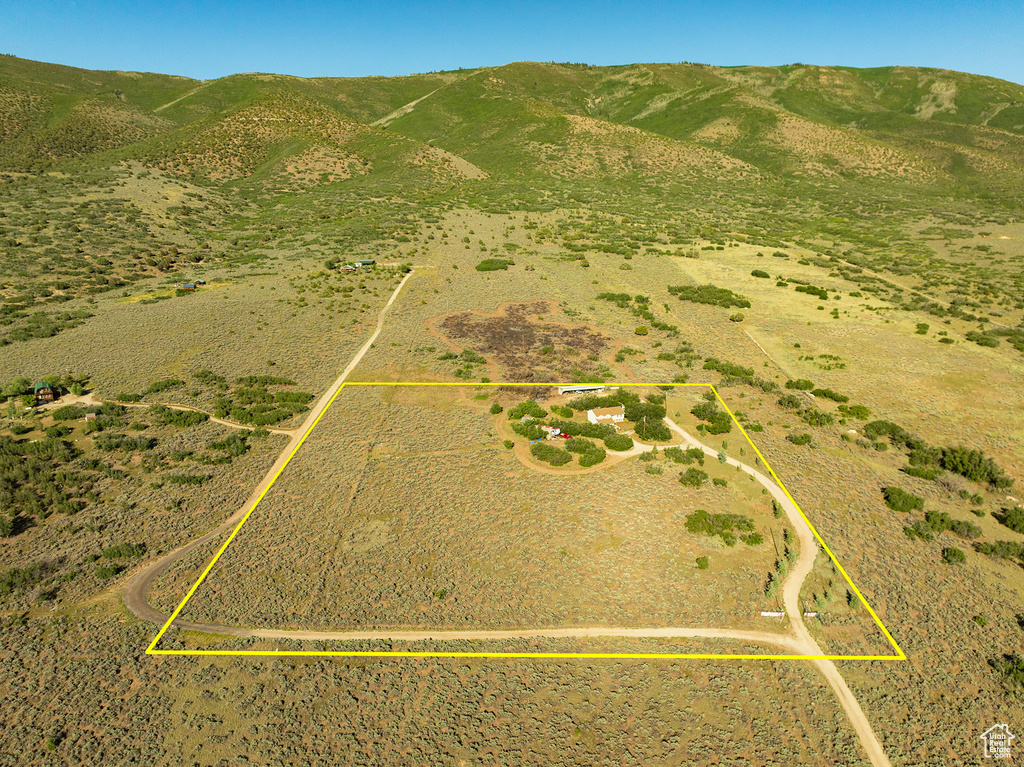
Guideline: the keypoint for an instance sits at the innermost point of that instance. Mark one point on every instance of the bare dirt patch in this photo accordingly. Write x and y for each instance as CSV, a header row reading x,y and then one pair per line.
x,y
524,347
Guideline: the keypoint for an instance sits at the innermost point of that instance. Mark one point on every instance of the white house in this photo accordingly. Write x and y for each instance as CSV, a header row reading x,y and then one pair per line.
x,y
606,415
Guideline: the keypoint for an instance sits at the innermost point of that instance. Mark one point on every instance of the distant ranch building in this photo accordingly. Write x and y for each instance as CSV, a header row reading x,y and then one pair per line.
x,y
606,415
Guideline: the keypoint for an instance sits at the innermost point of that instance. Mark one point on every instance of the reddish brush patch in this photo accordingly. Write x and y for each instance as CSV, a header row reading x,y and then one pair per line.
x,y
525,348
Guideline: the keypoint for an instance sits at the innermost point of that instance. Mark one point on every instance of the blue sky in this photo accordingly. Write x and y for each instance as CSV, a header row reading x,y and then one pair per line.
x,y
308,38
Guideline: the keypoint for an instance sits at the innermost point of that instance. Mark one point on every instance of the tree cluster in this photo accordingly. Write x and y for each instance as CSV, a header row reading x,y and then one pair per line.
x,y
709,294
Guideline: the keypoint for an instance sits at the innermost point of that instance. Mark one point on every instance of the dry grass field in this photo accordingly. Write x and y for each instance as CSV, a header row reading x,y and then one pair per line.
x,y
366,711
404,510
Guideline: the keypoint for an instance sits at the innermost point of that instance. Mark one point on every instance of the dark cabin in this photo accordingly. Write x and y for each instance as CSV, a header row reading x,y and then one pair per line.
x,y
45,393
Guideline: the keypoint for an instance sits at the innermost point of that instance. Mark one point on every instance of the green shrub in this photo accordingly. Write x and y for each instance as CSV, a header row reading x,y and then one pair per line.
x,y
1011,670
618,442
107,441
580,445
68,413
790,401
965,529
760,273
209,378
898,499
509,444
530,408
897,435
20,428
719,482
920,472
234,445
718,420
722,525
709,294
974,465
859,412
263,381
106,571
164,384
494,264
496,408
729,370
687,456
919,530
953,556
544,452
293,397
815,417
829,394
1003,549
641,330
648,420
811,290
703,563
1012,518
592,457
799,439
180,418
801,384
23,579
121,550
693,477
982,339
738,317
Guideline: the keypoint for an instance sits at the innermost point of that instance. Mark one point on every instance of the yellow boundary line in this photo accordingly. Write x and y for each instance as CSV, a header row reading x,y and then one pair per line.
x,y
151,650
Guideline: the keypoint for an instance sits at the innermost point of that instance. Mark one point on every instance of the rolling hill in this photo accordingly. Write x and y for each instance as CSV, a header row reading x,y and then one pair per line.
x,y
944,131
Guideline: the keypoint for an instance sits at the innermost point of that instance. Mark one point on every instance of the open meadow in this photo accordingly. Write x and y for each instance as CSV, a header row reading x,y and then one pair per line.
x,y
404,509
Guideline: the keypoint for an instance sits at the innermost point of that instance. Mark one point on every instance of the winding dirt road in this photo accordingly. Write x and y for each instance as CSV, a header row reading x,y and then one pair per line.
x,y
800,643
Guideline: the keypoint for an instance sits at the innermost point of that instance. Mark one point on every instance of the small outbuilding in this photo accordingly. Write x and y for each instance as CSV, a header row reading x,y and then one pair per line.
x,y
606,415
365,262
581,389
45,393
